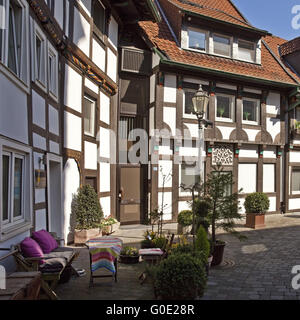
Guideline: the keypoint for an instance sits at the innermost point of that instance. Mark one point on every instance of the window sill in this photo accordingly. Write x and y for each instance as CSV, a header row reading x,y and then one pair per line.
x,y
224,120
250,123
15,230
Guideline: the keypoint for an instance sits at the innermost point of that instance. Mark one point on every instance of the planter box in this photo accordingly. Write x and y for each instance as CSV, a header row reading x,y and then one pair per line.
x,y
82,236
255,221
129,259
183,230
218,254
111,229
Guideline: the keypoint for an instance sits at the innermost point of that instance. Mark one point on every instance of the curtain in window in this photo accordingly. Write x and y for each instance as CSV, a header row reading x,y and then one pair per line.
x,y
18,182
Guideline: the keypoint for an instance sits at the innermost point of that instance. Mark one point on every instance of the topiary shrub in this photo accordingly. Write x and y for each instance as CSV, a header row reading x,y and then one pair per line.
x,y
180,277
185,218
202,243
257,203
87,208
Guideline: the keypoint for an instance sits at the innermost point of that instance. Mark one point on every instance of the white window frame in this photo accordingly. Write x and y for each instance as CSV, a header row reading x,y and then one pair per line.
x,y
292,192
15,226
206,39
222,36
254,50
187,115
54,54
258,106
21,79
232,107
86,97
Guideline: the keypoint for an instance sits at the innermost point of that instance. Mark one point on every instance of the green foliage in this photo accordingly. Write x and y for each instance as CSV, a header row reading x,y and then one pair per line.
x,y
180,277
201,208
108,222
87,209
202,243
189,249
185,218
160,242
257,203
130,252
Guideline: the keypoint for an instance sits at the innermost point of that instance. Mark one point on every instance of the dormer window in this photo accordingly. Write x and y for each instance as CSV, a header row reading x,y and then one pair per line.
x,y
197,39
246,50
222,45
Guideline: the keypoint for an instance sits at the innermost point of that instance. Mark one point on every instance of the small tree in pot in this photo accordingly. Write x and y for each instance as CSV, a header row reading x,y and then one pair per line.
x,y
88,214
256,205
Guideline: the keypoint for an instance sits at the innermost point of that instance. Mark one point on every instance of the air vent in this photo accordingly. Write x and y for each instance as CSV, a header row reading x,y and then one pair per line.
x,y
135,61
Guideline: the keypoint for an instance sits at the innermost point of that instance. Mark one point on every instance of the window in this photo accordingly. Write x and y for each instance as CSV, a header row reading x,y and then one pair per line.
x,y
98,14
296,180
251,111
246,50
14,37
225,108
222,45
89,110
197,40
39,56
227,187
188,109
52,70
189,176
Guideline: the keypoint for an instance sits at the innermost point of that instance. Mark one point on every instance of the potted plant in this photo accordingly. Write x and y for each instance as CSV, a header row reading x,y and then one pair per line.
x,y
88,214
109,225
185,221
148,241
247,115
129,255
221,112
256,205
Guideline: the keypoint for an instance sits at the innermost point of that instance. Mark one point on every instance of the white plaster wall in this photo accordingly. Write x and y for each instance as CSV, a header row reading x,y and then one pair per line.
x,y
247,177
226,132
54,147
104,177
90,155
82,29
294,156
113,32
152,88
183,205
189,152
40,195
193,128
99,55
104,143
53,120
251,134
112,65
170,88
273,103
272,204
59,13
165,168
251,90
226,86
249,152
268,178
40,220
197,81
270,153
104,108
71,185
105,204
273,127
13,111
241,204
165,150
167,204
91,85
38,110
294,204
169,115
73,128
39,141
151,121
73,89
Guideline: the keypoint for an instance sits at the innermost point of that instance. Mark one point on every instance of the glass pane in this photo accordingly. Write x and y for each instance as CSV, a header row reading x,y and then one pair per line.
x,y
18,187
2,25
38,47
224,107
5,186
99,16
249,110
89,117
221,46
12,59
296,180
189,176
189,109
197,40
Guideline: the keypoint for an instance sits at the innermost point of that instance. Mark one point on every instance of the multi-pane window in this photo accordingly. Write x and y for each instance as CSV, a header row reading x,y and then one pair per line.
x,y
189,175
13,170
251,111
197,40
222,45
52,70
39,47
98,14
188,102
296,180
227,182
89,110
13,36
224,107
246,50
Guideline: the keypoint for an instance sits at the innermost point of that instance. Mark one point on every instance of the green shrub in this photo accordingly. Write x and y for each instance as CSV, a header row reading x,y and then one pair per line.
x,y
87,208
185,218
202,243
180,277
257,203
160,242
188,249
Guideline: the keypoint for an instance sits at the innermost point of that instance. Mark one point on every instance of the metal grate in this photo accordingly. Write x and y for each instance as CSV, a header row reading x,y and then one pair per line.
x,y
135,61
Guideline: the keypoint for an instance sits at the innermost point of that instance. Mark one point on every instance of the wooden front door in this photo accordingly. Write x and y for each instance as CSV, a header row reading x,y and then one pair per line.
x,y
130,197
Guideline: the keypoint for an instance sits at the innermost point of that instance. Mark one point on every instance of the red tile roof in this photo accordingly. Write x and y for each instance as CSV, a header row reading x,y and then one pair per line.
x,y
290,46
270,69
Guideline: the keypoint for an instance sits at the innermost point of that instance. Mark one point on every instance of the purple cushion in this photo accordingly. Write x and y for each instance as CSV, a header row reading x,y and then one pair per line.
x,y
45,240
31,249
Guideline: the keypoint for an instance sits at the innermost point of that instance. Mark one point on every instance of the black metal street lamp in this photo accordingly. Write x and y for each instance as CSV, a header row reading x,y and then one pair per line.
x,y
200,103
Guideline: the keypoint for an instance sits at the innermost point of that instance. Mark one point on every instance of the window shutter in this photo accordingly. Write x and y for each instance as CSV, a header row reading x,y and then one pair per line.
x,y
135,61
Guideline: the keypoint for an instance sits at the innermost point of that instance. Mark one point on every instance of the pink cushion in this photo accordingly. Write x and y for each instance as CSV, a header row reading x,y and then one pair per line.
x,y
45,240
31,249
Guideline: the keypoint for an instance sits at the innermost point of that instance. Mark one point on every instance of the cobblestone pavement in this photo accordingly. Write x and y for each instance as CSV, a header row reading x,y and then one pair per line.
x,y
258,268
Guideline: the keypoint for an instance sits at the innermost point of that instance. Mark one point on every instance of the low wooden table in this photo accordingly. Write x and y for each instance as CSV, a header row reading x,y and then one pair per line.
x,y
22,286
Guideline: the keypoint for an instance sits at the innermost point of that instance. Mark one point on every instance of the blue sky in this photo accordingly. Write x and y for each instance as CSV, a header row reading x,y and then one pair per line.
x,y
274,16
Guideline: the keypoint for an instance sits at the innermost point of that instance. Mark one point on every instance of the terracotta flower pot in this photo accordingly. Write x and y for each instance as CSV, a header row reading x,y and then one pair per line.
x,y
82,236
218,254
255,221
